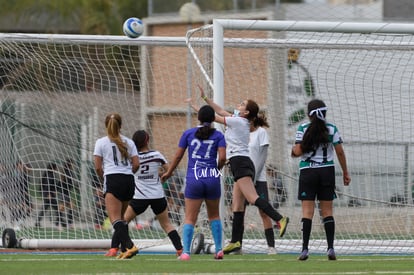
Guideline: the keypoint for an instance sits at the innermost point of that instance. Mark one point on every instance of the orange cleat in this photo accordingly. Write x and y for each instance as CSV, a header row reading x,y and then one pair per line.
x,y
113,252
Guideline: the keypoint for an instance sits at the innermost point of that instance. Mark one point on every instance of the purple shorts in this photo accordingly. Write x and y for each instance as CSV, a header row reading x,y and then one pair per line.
x,y
203,188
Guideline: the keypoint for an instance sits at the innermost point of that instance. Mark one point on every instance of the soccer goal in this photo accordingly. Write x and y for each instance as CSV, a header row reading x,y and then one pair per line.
x,y
362,72
57,89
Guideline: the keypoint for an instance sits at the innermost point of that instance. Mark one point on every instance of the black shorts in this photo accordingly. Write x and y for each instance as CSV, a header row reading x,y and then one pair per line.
x,y
261,189
122,186
317,183
241,166
157,205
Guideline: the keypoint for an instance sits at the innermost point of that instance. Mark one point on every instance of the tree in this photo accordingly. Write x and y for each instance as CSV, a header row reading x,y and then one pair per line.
x,y
87,16
102,16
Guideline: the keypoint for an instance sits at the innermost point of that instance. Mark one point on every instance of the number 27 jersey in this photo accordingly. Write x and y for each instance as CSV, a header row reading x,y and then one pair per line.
x,y
202,154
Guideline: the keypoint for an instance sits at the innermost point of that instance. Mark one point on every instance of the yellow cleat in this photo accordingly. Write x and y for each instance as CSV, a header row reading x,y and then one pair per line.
x,y
283,225
129,253
232,248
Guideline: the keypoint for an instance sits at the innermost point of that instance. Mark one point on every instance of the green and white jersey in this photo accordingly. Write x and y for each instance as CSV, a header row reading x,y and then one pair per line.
x,y
324,155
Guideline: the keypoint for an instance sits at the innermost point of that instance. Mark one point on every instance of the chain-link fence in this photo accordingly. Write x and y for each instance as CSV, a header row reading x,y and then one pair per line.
x,y
319,10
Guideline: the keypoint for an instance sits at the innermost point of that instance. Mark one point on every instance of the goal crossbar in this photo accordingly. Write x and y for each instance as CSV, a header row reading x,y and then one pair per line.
x,y
314,26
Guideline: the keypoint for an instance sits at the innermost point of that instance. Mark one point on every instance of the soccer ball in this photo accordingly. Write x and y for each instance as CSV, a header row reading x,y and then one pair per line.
x,y
133,27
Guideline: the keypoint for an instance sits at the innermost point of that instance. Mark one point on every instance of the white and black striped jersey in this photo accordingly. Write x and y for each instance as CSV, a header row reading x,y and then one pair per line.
x,y
147,180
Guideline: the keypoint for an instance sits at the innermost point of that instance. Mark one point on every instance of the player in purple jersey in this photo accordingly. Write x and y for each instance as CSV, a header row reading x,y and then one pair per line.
x,y
204,145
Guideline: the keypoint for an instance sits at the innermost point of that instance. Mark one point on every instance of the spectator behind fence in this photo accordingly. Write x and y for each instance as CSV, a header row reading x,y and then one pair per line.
x,y
67,186
50,181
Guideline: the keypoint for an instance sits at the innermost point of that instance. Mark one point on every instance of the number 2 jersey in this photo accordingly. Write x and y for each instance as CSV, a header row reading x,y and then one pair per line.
x,y
147,180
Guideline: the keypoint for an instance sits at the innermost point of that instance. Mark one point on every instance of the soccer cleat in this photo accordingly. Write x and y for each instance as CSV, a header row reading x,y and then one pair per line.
x,y
277,225
184,257
219,255
129,253
283,225
271,251
112,252
331,254
304,255
232,248
179,252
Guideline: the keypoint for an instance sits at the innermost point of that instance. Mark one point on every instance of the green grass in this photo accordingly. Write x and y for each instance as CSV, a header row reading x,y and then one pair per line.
x,y
36,263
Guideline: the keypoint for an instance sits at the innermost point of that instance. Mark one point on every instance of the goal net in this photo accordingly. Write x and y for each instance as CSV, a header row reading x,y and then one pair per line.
x,y
57,89
362,72
55,93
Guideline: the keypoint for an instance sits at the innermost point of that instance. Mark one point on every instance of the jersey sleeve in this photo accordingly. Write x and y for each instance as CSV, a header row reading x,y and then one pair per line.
x,y
183,143
336,139
299,134
163,160
264,138
132,149
232,121
97,150
221,141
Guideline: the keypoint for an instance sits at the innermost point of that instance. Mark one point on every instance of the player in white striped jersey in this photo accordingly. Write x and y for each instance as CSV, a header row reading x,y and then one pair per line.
x,y
315,143
149,190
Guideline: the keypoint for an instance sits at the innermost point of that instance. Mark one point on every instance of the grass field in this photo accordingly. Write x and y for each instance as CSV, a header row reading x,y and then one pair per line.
x,y
95,263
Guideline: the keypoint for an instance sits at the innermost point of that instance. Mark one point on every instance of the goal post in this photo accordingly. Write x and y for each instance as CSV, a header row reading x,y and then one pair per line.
x,y
361,70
